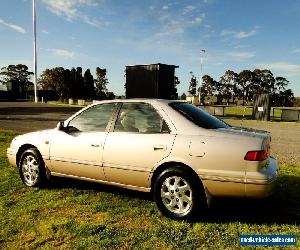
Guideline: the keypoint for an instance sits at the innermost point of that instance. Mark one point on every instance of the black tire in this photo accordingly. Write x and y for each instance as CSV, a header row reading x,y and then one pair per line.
x,y
32,168
183,200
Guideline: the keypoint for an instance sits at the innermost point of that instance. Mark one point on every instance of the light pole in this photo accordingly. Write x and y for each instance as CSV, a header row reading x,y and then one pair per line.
x,y
202,51
34,51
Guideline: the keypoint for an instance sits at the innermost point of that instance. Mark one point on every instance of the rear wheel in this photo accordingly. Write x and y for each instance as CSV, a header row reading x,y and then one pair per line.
x,y
178,194
32,168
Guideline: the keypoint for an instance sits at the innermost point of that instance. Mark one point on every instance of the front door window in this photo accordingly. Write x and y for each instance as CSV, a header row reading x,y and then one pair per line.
x,y
94,119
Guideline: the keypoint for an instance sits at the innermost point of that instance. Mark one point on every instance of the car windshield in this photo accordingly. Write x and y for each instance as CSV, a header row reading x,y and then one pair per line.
x,y
198,116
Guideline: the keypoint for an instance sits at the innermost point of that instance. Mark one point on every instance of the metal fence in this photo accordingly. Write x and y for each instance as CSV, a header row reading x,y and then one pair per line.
x,y
245,112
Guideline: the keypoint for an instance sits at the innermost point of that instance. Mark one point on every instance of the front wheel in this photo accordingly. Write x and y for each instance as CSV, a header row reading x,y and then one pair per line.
x,y
178,194
32,168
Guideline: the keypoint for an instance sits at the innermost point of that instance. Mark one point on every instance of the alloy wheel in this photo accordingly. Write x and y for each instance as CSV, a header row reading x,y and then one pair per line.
x,y
176,195
30,170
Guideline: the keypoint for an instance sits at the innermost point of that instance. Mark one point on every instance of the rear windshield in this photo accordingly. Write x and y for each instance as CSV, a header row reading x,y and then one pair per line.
x,y
198,116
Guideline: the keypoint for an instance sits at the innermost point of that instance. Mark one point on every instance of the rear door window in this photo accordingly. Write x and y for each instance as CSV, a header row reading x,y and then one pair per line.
x,y
140,118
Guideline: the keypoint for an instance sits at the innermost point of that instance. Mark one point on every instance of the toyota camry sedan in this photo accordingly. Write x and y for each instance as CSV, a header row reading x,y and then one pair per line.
x,y
175,150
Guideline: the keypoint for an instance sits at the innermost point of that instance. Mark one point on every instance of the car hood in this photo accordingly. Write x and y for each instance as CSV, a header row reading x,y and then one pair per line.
x,y
36,134
33,137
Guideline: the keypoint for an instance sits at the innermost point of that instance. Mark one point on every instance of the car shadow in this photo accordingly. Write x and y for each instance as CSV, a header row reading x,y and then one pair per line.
x,y
68,183
283,207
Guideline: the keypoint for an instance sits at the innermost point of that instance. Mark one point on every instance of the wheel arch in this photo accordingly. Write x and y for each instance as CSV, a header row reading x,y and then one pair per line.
x,y
44,173
175,164
22,149
203,196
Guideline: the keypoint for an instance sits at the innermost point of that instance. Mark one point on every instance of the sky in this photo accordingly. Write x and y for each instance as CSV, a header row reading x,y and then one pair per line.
x,y
235,34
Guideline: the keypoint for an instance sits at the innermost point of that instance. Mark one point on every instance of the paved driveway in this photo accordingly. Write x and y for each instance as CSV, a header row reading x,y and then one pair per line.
x,y
28,116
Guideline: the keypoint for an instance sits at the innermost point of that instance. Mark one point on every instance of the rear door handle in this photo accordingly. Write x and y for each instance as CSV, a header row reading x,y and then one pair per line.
x,y
95,145
159,147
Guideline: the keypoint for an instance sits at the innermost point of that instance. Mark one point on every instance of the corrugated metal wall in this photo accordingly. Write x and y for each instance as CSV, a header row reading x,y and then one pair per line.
x,y
261,107
150,81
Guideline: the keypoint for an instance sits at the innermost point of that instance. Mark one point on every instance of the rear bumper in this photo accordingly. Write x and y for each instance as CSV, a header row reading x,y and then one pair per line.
x,y
261,184
11,155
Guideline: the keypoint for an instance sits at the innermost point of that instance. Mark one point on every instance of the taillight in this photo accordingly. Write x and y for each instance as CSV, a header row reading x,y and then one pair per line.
x,y
257,155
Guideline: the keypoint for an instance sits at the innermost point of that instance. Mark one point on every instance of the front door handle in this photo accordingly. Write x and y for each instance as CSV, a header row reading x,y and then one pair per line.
x,y
95,145
159,147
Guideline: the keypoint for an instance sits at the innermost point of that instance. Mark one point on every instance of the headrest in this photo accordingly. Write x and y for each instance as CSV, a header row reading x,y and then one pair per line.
x,y
127,121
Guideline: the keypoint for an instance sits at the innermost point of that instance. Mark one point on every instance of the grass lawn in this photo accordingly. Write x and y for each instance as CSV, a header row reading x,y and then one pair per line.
x,y
241,111
75,215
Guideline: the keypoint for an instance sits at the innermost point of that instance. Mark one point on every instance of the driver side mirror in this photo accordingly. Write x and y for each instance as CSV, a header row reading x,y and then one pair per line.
x,y
61,126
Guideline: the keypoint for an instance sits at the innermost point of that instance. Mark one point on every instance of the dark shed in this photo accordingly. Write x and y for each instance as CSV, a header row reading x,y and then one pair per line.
x,y
261,107
150,81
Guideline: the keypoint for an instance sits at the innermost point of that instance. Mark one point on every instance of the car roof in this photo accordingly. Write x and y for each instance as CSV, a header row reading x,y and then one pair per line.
x,y
147,100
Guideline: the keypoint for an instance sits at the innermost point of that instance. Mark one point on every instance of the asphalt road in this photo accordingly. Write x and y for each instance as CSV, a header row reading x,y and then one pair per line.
x,y
28,116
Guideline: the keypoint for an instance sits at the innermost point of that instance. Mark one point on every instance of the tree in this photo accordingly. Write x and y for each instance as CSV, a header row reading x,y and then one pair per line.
x,y
17,76
244,85
268,81
67,83
228,85
111,95
183,96
287,97
54,79
219,92
79,85
88,83
245,80
101,82
263,81
73,85
280,83
233,78
174,94
283,98
208,88
193,85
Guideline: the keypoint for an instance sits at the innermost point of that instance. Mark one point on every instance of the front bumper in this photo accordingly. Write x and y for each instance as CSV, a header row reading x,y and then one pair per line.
x,y
261,184
11,155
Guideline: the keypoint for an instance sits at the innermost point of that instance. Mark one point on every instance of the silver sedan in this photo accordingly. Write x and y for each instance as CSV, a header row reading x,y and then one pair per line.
x,y
175,150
